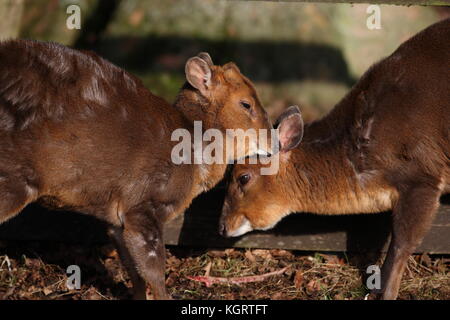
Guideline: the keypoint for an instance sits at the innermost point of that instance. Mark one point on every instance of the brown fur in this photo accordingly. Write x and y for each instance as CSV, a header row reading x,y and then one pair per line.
x,y
385,146
78,133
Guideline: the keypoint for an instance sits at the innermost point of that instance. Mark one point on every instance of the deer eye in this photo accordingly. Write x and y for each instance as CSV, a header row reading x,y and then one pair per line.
x,y
244,179
245,105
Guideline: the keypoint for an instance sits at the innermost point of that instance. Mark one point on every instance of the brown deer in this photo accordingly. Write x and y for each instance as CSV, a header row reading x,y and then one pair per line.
x,y
79,133
385,146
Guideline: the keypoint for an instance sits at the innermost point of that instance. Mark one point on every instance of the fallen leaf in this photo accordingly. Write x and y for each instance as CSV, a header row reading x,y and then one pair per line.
x,y
425,260
250,257
216,253
298,279
265,254
277,296
312,286
47,291
331,259
281,253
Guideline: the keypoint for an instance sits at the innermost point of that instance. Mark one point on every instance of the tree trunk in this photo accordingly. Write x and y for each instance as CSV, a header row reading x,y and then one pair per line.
x,y
10,16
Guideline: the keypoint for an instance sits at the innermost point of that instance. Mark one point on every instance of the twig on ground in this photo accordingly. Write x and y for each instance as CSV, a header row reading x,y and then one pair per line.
x,y
209,281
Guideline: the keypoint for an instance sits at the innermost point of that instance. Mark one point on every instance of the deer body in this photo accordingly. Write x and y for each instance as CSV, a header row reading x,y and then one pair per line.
x,y
385,146
78,133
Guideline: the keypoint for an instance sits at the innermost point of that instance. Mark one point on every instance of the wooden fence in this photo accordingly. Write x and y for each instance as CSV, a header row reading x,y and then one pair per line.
x,y
390,2
198,228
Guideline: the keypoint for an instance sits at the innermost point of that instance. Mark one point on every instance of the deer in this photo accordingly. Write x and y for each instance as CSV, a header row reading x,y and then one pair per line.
x,y
81,134
384,147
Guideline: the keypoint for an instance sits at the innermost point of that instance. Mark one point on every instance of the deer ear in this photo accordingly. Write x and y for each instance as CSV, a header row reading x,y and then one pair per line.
x,y
198,74
290,126
231,66
206,57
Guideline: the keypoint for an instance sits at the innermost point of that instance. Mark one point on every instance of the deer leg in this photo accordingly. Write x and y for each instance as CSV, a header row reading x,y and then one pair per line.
x,y
412,217
139,286
15,194
143,237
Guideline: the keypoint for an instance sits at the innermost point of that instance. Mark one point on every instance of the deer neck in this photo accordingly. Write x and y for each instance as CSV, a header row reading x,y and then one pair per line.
x,y
195,108
324,181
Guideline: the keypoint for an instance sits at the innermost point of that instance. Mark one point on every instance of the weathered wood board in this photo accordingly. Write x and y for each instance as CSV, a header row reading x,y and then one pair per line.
x,y
389,2
365,232
198,227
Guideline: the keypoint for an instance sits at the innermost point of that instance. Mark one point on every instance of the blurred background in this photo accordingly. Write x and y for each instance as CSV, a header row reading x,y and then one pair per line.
x,y
296,53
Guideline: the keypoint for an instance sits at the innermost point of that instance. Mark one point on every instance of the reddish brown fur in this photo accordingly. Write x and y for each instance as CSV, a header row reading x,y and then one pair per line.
x,y
385,146
78,133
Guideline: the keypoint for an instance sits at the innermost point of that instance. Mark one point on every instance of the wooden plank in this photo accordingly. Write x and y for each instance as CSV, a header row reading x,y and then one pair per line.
x,y
368,232
387,2
198,227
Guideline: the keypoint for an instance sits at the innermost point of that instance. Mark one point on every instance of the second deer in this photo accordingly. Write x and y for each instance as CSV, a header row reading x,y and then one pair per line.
x,y
385,146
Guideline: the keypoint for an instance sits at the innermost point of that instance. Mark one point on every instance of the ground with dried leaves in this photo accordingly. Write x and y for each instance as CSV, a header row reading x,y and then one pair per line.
x,y
38,271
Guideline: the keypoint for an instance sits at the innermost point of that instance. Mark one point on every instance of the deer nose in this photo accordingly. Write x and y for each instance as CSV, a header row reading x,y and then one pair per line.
x,y
262,152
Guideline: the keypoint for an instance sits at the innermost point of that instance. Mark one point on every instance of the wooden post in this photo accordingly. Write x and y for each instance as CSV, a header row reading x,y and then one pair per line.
x,y
388,2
